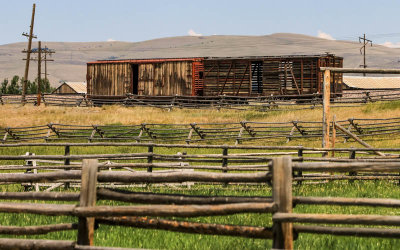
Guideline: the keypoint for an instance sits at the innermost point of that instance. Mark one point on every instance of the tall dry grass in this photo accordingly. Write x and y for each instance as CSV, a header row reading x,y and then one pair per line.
x,y
14,115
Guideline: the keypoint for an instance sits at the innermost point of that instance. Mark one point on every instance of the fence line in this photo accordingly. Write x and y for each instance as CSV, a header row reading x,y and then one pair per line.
x,y
283,231
260,103
201,132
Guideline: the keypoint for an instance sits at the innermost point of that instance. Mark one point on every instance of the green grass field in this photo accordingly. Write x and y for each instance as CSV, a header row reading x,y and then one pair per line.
x,y
157,239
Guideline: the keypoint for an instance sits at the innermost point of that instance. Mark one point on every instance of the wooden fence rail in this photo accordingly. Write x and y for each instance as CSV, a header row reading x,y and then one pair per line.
x,y
197,133
283,231
261,103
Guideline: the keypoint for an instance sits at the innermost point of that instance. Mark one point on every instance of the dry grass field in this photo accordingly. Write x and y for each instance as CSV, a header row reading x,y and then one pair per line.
x,y
16,116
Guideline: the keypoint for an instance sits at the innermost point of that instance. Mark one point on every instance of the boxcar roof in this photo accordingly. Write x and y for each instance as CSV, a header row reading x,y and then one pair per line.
x,y
156,60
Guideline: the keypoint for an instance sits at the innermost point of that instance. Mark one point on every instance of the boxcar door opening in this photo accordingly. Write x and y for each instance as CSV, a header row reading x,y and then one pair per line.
x,y
135,79
256,78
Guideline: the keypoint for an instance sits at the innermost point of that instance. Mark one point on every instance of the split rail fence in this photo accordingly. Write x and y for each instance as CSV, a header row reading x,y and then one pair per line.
x,y
368,129
283,229
181,158
263,103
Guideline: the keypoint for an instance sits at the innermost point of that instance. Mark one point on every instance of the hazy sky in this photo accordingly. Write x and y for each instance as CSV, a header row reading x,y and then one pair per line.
x,y
124,20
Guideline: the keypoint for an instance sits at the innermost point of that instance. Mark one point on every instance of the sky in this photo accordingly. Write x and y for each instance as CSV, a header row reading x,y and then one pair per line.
x,y
133,21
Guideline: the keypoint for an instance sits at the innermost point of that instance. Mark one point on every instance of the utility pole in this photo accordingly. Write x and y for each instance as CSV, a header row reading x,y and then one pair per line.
x,y
362,49
40,59
39,96
28,55
46,52
45,63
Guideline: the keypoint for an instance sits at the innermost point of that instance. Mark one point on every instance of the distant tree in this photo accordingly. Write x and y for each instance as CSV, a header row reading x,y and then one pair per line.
x,y
46,87
3,89
14,87
31,87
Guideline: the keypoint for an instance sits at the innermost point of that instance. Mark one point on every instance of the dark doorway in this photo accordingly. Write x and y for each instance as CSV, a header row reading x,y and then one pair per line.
x,y
135,78
256,77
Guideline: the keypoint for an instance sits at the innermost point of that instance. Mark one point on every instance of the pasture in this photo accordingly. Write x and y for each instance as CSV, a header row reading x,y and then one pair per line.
x,y
119,236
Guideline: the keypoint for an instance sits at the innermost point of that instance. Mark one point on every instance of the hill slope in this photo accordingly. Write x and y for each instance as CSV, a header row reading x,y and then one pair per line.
x,y
71,57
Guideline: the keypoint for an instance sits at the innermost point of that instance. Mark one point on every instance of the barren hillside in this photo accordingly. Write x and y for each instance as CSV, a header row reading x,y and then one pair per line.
x,y
71,57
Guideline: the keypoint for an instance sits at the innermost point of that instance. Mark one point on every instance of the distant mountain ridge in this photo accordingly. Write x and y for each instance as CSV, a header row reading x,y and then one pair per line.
x,y
71,57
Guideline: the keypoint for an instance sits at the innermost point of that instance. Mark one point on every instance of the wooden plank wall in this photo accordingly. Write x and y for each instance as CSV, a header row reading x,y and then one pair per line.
x,y
165,78
146,79
280,75
109,79
229,77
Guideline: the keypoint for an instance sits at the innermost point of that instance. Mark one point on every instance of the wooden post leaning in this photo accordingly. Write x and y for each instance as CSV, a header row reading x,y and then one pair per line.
x,y
282,196
87,199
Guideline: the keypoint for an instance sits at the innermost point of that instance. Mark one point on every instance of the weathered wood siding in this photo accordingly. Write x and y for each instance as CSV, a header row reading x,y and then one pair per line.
x,y
64,89
109,78
146,79
293,76
165,78
229,77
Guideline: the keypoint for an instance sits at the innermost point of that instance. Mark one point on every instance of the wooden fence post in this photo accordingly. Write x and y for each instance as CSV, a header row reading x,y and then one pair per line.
x,y
326,110
150,158
67,162
352,155
225,161
282,196
333,135
300,173
87,199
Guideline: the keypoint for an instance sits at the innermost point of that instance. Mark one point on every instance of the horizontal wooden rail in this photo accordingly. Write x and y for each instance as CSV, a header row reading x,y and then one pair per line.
x,y
152,198
49,245
149,210
138,177
189,227
394,203
34,230
338,219
349,231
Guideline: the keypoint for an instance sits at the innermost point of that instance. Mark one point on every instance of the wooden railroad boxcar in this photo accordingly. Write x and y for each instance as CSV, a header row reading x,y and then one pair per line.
x,y
208,76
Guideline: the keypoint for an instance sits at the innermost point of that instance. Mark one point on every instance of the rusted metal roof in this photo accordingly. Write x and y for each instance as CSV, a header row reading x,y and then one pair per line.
x,y
359,82
147,60
155,60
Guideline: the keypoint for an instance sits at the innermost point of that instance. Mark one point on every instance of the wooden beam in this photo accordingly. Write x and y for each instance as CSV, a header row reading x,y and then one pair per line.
x,y
226,78
294,79
87,199
282,196
326,109
356,138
